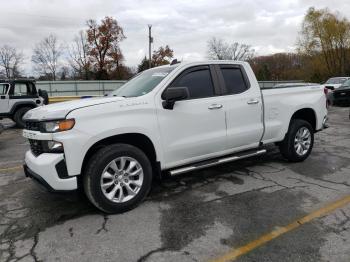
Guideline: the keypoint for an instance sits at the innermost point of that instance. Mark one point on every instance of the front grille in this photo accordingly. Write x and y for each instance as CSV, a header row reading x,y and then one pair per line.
x,y
34,126
341,94
36,147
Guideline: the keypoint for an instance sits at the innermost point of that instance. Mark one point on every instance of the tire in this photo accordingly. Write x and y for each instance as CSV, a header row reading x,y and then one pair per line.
x,y
18,116
102,163
294,146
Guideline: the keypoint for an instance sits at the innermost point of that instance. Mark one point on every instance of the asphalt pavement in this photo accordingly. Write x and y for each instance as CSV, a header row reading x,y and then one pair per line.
x,y
199,216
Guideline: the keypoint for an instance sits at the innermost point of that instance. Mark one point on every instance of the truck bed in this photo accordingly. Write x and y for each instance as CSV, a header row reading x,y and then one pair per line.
x,y
279,104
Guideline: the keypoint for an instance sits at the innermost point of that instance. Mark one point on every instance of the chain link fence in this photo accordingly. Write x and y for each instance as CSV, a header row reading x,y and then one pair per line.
x,y
79,88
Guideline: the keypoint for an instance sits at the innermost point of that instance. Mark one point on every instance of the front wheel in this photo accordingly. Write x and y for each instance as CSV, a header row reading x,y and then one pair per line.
x,y
298,142
117,178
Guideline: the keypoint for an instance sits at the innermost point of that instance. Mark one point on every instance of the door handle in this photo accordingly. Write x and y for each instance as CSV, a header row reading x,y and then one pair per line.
x,y
215,106
252,101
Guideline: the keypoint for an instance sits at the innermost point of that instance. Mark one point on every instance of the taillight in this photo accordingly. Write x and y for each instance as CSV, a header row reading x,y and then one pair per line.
x,y
325,90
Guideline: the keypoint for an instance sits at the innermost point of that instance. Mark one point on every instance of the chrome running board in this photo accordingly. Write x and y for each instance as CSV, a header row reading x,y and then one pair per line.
x,y
216,161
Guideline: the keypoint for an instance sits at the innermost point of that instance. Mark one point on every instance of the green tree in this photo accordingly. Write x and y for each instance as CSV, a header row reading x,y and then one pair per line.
x,y
327,35
143,65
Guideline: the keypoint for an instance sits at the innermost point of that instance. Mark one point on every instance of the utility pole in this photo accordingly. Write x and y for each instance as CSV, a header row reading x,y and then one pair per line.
x,y
150,41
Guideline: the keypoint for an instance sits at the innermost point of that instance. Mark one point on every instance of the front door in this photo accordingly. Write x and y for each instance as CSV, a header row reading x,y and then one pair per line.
x,y
195,128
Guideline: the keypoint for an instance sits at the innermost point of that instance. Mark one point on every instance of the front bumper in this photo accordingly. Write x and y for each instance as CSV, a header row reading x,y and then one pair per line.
x,y
46,169
341,101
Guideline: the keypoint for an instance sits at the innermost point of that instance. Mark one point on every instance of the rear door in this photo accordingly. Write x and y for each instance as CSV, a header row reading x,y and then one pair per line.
x,y
195,128
243,107
4,98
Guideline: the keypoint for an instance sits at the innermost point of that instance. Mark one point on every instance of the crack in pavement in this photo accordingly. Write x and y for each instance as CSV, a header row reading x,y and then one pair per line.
x,y
11,250
259,176
311,183
145,257
332,182
150,253
32,250
103,227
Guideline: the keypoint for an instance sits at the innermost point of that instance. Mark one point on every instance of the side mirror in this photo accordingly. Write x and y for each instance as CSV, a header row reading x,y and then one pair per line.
x,y
173,94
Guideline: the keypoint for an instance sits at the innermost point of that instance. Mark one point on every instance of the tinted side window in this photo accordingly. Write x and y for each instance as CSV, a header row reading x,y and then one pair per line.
x,y
234,80
199,83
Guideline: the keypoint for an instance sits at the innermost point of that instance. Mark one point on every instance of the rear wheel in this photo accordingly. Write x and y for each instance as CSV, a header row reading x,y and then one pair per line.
x,y
298,142
117,178
18,116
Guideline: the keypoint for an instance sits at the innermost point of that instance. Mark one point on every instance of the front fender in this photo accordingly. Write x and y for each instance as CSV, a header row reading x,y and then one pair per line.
x,y
92,126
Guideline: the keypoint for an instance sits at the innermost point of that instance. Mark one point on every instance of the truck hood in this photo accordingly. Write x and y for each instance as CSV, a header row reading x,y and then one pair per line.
x,y
60,110
335,86
342,88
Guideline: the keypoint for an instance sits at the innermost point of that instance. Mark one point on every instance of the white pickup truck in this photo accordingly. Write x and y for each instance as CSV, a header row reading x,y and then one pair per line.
x,y
169,119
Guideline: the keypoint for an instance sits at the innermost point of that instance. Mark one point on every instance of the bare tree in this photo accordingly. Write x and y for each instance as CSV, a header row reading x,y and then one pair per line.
x,y
10,60
46,56
79,56
221,50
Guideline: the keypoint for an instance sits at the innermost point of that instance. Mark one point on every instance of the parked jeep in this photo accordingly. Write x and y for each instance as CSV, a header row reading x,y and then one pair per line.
x,y
19,96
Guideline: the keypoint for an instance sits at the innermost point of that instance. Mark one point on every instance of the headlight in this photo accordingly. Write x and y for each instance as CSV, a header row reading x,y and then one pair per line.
x,y
58,125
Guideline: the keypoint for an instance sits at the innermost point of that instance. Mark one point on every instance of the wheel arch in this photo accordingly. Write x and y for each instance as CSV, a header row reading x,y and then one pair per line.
x,y
19,105
138,140
307,114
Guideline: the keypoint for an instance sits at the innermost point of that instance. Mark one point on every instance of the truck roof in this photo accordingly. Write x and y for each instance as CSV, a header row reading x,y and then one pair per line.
x,y
12,81
204,62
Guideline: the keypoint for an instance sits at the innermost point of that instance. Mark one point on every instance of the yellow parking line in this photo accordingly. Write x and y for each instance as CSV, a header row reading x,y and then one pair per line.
x,y
237,252
11,169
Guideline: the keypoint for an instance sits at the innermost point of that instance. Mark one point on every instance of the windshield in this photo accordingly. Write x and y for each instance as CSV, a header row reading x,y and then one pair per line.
x,y
336,80
143,83
346,83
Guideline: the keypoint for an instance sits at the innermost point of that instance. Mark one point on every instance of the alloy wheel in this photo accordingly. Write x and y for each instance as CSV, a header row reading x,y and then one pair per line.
x,y
122,179
302,141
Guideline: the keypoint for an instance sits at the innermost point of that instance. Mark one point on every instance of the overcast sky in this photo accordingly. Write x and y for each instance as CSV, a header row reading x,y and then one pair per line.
x,y
270,26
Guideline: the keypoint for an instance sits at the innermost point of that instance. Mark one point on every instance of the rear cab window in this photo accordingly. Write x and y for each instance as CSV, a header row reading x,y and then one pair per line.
x,y
234,78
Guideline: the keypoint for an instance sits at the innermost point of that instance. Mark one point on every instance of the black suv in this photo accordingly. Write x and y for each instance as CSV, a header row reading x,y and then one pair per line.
x,y
341,95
